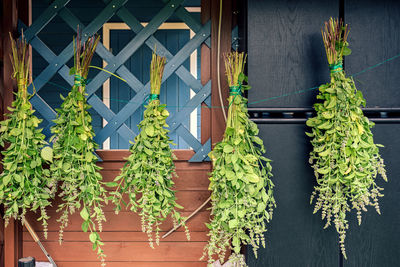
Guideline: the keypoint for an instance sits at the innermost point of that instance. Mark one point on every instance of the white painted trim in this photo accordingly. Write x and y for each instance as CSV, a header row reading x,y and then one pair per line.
x,y
107,27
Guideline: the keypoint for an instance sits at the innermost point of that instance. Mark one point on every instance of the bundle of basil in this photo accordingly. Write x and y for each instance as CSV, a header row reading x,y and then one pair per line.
x,y
74,160
150,167
242,195
344,158
24,184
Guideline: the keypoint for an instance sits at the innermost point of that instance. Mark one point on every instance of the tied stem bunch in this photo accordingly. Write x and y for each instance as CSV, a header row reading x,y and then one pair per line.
x,y
146,177
345,158
241,191
74,161
24,184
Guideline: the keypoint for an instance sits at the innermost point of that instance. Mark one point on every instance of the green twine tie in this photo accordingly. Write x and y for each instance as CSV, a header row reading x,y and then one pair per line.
x,y
235,90
79,80
336,67
154,97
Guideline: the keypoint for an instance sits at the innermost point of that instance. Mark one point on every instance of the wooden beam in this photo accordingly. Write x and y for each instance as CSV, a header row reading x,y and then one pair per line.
x,y
205,74
217,118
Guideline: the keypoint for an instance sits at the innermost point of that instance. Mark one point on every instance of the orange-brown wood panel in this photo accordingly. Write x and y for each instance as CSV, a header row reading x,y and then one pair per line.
x,y
79,236
118,251
125,244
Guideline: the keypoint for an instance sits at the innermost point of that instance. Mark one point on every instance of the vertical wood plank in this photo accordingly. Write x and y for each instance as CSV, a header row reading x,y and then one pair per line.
x,y
217,119
11,249
205,70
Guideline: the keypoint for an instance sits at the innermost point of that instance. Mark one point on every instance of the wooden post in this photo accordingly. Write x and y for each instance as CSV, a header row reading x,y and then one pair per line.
x,y
205,74
217,119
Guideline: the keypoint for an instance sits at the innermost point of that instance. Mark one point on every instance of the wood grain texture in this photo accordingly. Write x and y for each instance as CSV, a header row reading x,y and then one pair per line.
x,y
376,241
131,264
118,251
295,235
12,249
286,53
375,37
217,119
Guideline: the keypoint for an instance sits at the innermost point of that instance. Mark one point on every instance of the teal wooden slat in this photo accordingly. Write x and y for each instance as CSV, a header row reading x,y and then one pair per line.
x,y
185,52
183,90
67,53
202,153
169,70
193,24
133,45
107,114
189,138
44,18
106,55
152,42
175,121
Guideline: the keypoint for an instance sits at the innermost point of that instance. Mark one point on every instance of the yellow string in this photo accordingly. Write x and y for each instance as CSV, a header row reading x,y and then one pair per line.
x,y
95,67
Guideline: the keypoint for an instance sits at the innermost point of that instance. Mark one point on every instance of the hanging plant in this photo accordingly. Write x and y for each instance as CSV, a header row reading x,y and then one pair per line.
x,y
345,159
146,177
241,191
24,184
74,160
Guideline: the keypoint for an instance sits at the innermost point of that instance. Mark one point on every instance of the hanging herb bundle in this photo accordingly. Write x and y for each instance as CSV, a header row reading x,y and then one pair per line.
x,y
242,195
74,160
147,175
345,159
24,184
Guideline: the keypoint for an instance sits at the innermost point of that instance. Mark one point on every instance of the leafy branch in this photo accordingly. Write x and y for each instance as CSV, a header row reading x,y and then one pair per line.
x,y
147,175
241,191
345,158
24,184
74,161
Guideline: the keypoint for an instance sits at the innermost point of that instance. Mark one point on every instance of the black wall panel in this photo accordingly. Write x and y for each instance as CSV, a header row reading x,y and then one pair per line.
x,y
295,236
374,37
285,50
376,242
286,54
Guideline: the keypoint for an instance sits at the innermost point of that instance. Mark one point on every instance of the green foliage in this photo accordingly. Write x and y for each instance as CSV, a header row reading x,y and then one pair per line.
x,y
242,195
74,160
24,184
344,158
147,175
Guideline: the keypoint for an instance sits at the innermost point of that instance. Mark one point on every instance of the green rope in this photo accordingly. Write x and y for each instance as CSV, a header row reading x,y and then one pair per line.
x,y
154,97
336,67
79,80
235,90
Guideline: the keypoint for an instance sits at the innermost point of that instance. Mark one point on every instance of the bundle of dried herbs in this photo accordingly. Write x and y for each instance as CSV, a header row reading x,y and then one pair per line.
x,y
74,159
345,158
146,177
24,184
240,184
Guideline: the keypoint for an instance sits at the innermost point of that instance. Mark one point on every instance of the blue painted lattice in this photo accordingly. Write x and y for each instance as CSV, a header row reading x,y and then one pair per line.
x,y
115,64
